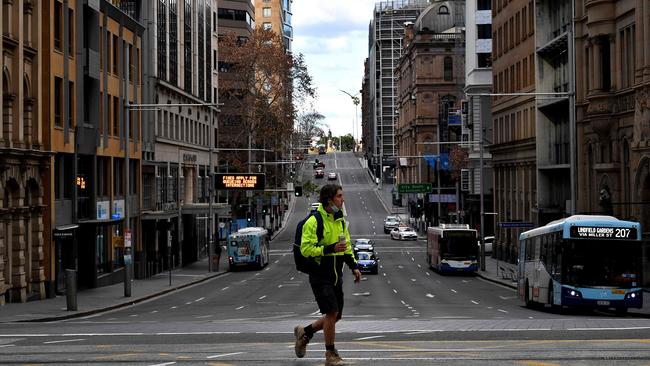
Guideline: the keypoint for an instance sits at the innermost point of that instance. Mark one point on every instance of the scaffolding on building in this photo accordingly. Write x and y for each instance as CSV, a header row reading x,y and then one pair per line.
x,y
387,30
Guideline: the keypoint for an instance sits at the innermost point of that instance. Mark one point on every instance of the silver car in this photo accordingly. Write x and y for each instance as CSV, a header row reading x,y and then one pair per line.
x,y
403,233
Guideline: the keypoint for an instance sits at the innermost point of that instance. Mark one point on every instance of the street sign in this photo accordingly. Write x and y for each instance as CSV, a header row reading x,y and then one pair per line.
x,y
414,188
513,224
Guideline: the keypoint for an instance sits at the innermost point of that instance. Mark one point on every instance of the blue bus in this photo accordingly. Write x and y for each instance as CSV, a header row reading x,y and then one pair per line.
x,y
582,261
248,247
451,248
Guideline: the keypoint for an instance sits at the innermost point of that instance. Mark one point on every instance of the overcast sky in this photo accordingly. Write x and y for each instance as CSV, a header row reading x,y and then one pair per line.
x,y
333,36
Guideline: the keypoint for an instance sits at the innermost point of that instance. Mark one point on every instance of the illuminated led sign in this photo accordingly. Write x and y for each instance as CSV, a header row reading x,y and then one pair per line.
x,y
239,181
589,232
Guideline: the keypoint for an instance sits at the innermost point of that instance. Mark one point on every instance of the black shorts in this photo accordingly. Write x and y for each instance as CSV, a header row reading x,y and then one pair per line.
x,y
329,297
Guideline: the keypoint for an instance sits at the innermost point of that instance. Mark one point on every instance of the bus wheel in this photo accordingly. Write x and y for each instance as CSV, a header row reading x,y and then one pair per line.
x,y
527,302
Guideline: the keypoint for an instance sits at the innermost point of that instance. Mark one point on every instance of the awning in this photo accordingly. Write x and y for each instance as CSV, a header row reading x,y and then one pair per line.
x,y
64,231
101,222
158,215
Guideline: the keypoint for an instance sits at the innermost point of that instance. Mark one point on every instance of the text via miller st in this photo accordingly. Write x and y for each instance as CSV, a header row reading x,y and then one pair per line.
x,y
239,181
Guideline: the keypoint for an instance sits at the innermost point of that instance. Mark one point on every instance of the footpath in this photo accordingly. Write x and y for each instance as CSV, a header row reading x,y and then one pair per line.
x,y
96,300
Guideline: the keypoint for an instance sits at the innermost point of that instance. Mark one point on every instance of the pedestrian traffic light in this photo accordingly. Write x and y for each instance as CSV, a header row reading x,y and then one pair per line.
x,y
419,204
248,216
297,191
265,210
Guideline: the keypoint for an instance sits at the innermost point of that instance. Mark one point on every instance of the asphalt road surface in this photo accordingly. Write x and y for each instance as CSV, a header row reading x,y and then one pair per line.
x,y
405,315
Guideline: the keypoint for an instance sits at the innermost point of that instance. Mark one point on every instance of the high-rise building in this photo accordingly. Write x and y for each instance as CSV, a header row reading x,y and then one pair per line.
x,y
276,15
385,49
513,149
476,113
430,77
24,157
180,72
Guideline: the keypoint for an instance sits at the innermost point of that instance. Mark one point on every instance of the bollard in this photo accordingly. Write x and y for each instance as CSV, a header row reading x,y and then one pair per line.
x,y
71,289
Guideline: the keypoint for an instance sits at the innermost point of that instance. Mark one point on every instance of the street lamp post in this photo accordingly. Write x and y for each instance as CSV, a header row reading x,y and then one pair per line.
x,y
355,101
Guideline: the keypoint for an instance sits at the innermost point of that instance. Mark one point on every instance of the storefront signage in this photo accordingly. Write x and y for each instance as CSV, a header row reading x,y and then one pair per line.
x,y
189,158
239,181
593,232
414,188
445,198
514,224
103,208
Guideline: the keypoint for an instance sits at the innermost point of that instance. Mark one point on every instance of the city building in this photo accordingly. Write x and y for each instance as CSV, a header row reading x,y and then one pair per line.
x,y
24,156
613,110
514,147
366,127
555,122
430,78
385,45
91,74
477,117
276,15
180,80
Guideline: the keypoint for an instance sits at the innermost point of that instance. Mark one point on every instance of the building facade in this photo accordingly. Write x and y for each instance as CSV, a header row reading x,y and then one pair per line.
x,y
477,116
24,157
385,50
276,15
513,150
180,72
613,110
430,77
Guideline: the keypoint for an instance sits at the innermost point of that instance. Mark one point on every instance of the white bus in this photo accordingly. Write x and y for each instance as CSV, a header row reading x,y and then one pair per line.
x,y
452,248
582,261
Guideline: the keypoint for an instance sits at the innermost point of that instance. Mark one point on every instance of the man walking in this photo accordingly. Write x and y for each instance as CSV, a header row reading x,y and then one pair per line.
x,y
326,278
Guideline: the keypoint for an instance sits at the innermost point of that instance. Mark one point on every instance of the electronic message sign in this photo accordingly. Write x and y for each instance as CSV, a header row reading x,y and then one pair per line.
x,y
239,181
591,232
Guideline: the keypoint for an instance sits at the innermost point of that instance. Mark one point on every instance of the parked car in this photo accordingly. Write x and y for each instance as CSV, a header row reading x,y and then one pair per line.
x,y
390,222
319,173
363,245
403,233
331,176
314,206
319,164
367,262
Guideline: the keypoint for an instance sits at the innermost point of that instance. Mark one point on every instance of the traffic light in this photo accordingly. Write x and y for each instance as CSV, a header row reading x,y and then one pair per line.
x,y
265,210
249,217
297,190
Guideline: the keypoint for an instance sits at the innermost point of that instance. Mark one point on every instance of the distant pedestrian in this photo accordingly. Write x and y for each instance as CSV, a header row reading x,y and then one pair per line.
x,y
217,256
326,279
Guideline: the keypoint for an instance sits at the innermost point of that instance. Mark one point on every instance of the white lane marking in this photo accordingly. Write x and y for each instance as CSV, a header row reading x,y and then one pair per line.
x,y
153,312
395,291
413,280
278,261
261,297
199,299
291,279
133,315
224,355
65,341
474,302
428,274
204,316
225,288
431,295
622,328
173,307
412,259
188,303
503,311
419,266
454,291
403,303
242,281
164,364
241,307
7,345
371,337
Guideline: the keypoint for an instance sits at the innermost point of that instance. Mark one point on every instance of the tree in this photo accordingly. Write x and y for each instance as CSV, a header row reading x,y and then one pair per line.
x,y
347,142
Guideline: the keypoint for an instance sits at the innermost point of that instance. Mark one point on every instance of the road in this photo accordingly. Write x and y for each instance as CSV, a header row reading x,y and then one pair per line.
x,y
405,315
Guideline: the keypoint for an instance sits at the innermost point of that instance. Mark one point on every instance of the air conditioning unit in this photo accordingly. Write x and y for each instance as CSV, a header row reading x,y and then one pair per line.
x,y
464,180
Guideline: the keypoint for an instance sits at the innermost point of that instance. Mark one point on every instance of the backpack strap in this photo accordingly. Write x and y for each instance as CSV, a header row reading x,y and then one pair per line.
x,y
320,227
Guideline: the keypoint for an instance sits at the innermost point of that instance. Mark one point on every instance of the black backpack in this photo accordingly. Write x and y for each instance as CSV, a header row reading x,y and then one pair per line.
x,y
304,264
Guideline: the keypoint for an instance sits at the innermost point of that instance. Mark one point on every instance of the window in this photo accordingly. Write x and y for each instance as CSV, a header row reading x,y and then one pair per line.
x,y
443,10
605,72
188,46
71,96
483,5
71,32
58,106
116,46
266,12
267,26
448,71
162,39
173,42
118,181
58,13
484,59
116,116
201,51
484,31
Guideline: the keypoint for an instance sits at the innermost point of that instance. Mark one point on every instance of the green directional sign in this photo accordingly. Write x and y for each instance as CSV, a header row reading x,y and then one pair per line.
x,y
414,188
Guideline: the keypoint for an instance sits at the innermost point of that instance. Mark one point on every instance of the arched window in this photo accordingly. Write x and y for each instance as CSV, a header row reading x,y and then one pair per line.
x,y
443,10
626,180
448,72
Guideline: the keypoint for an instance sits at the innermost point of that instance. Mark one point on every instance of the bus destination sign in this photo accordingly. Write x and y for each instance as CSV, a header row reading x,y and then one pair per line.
x,y
239,181
595,232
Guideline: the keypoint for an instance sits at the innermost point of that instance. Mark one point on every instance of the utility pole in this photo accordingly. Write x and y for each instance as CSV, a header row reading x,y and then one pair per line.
x,y
127,231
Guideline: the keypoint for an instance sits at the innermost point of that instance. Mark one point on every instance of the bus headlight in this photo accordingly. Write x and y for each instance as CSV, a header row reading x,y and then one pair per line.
x,y
632,296
572,293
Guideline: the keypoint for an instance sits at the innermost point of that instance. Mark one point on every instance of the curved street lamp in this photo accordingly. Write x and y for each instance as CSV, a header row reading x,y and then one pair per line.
x,y
355,101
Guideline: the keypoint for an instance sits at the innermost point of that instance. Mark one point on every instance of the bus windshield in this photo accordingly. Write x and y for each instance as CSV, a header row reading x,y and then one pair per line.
x,y
459,245
602,263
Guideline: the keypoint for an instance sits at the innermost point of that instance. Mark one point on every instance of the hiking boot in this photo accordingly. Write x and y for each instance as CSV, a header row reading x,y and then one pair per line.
x,y
332,358
301,341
